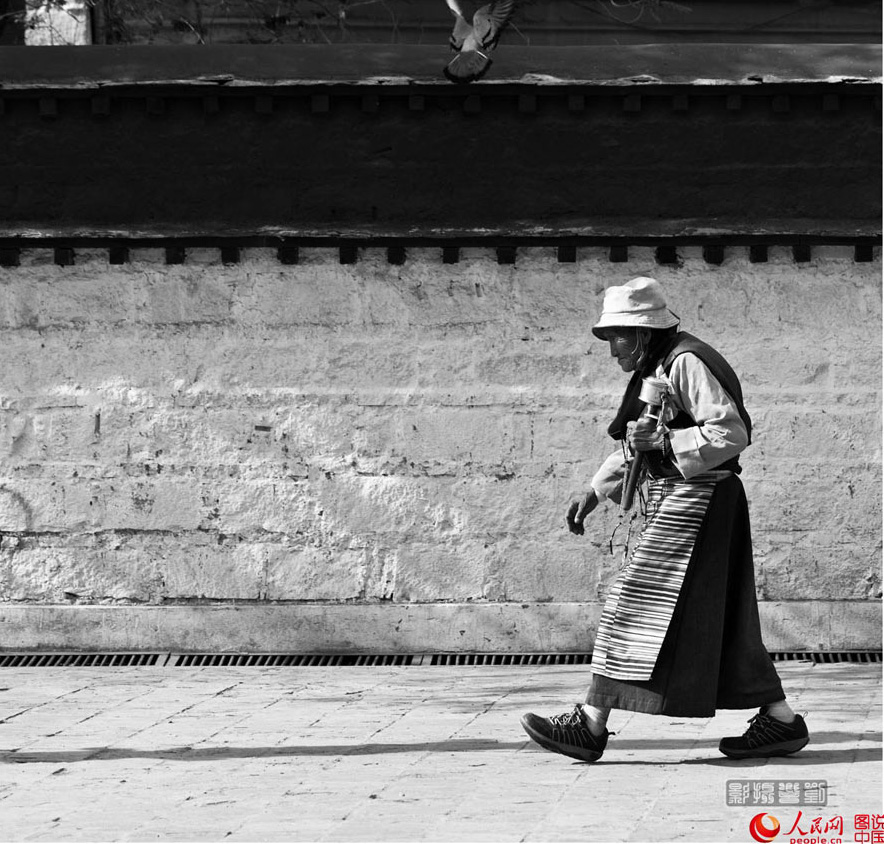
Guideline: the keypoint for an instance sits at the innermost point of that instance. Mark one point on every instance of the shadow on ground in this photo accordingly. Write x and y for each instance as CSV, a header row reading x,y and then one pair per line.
x,y
199,754
812,756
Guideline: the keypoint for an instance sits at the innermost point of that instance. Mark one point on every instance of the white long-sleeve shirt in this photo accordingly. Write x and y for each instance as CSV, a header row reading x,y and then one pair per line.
x,y
719,434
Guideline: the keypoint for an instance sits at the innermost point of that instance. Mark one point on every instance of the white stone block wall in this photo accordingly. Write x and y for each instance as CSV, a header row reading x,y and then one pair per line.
x,y
57,23
381,433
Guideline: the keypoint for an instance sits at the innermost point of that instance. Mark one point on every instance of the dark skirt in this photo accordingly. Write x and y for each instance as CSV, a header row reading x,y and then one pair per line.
x,y
712,656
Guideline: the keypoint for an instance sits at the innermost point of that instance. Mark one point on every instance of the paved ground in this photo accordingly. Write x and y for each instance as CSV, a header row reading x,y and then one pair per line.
x,y
400,754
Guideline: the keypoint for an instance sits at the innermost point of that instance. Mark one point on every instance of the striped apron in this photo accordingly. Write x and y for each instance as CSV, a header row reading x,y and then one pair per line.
x,y
639,607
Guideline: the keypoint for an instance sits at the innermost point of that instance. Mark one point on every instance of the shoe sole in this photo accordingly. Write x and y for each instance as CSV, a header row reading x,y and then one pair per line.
x,y
782,749
557,747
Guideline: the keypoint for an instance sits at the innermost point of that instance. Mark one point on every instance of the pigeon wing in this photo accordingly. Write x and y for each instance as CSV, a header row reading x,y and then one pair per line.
x,y
461,28
491,19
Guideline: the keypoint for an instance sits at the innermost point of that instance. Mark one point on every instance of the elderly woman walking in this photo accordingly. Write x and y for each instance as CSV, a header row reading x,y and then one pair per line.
x,y
679,633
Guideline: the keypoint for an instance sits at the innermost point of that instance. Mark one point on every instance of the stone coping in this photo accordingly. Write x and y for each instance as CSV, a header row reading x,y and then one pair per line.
x,y
392,628
637,65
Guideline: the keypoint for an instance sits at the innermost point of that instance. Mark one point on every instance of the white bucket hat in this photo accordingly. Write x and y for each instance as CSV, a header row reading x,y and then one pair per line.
x,y
637,304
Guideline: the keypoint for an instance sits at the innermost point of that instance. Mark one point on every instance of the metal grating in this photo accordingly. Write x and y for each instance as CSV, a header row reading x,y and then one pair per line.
x,y
293,660
827,656
510,659
270,660
77,660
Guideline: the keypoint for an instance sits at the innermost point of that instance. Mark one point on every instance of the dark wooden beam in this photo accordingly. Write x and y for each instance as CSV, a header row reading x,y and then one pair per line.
x,y
348,254
175,254
118,255
288,255
713,254
758,254
64,256
396,255
801,253
863,253
230,254
666,254
10,257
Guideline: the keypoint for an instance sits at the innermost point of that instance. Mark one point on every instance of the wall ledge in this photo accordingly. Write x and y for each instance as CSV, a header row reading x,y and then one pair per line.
x,y
217,67
392,628
635,231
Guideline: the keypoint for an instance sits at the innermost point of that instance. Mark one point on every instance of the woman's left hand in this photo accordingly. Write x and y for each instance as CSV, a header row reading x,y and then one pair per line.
x,y
646,436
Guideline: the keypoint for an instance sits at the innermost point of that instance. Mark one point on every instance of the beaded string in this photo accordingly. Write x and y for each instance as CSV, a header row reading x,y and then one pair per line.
x,y
629,519
642,508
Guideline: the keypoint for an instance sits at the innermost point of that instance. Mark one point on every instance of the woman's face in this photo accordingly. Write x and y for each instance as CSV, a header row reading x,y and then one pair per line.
x,y
626,345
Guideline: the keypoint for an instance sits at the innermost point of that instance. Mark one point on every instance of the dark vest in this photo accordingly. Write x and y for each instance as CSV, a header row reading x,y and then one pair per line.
x,y
631,406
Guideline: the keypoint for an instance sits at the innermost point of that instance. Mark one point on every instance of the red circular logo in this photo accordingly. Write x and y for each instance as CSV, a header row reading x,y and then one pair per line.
x,y
763,833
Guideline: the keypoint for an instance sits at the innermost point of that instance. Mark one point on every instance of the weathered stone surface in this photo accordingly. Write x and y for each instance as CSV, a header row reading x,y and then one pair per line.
x,y
179,295
91,569
203,568
371,432
390,627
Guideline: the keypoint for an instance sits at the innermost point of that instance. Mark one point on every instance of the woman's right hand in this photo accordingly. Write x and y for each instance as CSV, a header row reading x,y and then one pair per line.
x,y
579,508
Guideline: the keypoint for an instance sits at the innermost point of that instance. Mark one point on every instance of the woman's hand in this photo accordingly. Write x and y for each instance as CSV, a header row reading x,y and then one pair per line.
x,y
579,508
646,436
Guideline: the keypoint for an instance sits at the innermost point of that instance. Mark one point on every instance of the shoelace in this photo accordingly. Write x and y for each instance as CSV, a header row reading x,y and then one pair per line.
x,y
763,729
570,719
574,719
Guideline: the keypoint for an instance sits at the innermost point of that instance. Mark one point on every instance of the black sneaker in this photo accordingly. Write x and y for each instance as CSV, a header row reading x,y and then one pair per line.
x,y
766,736
568,734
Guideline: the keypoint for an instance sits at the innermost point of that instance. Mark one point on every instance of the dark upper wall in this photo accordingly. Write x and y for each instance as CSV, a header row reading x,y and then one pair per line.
x,y
341,140
538,22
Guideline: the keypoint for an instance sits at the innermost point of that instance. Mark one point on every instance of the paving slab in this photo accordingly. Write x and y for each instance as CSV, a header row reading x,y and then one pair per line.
x,y
410,753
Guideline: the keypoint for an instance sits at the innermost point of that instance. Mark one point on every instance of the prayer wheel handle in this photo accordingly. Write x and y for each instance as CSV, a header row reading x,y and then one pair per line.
x,y
652,394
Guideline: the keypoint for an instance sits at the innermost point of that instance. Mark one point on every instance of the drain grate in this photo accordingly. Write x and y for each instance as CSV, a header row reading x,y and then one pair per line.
x,y
827,656
77,660
32,659
294,660
510,659
198,660
449,659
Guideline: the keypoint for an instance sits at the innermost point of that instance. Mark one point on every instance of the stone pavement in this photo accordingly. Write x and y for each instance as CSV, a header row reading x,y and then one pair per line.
x,y
400,754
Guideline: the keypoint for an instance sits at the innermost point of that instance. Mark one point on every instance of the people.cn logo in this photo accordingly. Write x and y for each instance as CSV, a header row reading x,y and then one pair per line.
x,y
763,833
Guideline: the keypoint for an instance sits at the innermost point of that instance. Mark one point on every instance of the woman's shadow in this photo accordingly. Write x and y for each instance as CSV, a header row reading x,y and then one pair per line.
x,y
812,756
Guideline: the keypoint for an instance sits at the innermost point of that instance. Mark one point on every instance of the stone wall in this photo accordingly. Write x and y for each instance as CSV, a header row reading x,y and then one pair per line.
x,y
381,434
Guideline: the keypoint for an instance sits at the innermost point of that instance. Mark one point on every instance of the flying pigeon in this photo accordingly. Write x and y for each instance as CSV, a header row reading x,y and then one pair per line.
x,y
474,42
